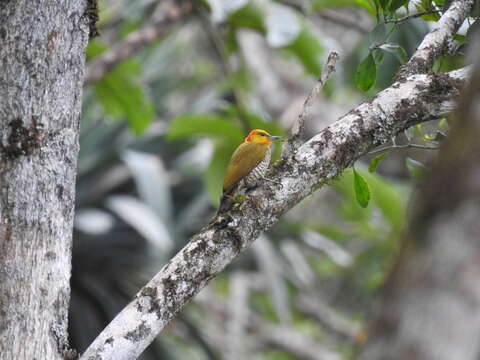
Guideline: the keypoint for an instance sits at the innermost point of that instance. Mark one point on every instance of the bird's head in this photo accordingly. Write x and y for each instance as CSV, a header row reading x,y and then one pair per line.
x,y
261,137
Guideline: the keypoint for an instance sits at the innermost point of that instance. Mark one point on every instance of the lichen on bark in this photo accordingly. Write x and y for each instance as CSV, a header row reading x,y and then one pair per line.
x,y
41,80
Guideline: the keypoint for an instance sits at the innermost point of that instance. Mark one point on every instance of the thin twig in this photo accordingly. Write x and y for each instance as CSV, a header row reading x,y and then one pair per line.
x,y
328,69
412,16
406,146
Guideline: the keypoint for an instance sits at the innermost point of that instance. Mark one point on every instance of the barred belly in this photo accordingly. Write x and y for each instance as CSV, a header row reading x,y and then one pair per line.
x,y
258,171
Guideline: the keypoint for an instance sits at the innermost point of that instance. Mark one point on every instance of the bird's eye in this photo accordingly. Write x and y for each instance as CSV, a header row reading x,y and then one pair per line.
x,y
262,134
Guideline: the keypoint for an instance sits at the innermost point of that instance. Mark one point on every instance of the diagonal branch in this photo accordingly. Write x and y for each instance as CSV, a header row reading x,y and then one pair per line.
x,y
418,99
168,13
436,43
411,16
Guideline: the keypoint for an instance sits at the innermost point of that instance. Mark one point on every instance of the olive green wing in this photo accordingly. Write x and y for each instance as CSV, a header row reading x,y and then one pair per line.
x,y
244,159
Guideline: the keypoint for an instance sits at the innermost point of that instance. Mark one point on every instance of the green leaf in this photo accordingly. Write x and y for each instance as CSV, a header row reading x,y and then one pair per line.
x,y
396,50
204,124
308,51
249,16
383,4
396,4
366,73
367,5
362,191
325,4
416,168
95,48
426,5
122,96
350,210
374,162
448,63
460,38
431,17
389,196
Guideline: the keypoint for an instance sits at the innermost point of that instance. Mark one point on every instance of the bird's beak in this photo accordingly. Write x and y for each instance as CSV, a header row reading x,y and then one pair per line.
x,y
273,138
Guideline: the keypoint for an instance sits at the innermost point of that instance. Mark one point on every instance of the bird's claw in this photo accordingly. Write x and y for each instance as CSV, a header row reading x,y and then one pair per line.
x,y
274,181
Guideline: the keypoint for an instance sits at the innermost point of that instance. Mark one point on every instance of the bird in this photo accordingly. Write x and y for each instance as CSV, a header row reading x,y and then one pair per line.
x,y
247,165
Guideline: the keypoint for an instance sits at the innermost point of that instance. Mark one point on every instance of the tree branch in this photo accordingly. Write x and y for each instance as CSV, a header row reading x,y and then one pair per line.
x,y
412,16
420,98
299,125
168,13
435,44
406,146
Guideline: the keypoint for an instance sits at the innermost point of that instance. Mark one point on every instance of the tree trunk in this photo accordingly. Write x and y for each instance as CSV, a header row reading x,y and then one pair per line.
x,y
42,55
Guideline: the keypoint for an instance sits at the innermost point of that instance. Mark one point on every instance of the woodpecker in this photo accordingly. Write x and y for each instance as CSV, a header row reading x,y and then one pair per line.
x,y
248,164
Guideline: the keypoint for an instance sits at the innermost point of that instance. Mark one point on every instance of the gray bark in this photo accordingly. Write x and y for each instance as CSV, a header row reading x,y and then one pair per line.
x,y
437,42
430,306
42,50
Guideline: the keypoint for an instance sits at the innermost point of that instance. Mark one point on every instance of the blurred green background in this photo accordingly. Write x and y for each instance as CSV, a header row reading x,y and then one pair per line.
x,y
157,132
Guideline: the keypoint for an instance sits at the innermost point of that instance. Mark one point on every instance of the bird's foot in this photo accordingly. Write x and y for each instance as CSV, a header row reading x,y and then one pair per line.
x,y
273,181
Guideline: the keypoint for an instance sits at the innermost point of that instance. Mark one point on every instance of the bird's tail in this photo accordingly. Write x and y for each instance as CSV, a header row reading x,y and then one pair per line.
x,y
226,200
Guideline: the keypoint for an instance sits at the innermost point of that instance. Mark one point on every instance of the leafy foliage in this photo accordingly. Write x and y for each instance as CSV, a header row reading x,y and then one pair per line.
x,y
121,95
308,50
362,190
366,73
